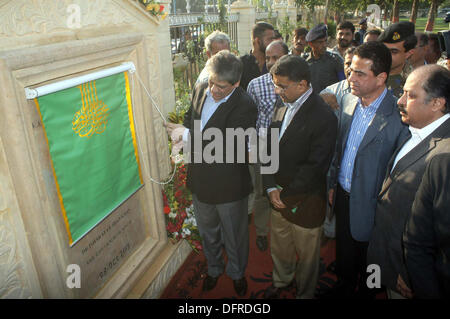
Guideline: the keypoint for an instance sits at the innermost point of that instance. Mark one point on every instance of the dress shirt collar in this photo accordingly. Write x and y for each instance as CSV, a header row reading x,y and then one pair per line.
x,y
423,132
300,100
208,94
376,103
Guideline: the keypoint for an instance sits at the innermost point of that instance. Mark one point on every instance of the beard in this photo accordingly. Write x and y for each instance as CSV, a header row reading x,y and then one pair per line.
x,y
262,47
344,43
299,47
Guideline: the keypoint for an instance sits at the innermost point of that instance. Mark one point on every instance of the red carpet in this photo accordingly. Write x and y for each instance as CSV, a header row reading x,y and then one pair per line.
x,y
187,282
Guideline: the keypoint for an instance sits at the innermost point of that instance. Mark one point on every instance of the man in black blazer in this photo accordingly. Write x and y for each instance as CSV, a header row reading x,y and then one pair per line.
x,y
297,191
427,236
217,176
425,107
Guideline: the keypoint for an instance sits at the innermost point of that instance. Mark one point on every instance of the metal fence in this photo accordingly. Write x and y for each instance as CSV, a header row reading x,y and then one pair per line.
x,y
187,37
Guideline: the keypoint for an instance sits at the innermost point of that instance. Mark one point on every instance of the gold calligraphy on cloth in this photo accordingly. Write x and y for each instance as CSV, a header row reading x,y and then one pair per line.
x,y
93,116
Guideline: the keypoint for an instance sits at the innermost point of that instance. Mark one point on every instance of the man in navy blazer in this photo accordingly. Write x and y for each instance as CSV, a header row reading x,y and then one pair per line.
x,y
370,130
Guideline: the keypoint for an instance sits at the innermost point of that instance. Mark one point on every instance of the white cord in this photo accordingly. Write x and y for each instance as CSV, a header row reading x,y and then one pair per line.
x,y
151,98
138,136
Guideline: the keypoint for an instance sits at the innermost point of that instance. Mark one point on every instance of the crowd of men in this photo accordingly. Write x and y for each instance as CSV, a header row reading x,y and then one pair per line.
x,y
363,147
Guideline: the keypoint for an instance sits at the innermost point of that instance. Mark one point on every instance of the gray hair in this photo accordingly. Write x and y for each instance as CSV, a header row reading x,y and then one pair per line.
x,y
225,66
216,36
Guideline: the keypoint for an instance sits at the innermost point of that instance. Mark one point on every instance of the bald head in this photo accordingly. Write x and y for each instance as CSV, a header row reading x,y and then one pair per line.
x,y
436,83
274,51
430,74
426,96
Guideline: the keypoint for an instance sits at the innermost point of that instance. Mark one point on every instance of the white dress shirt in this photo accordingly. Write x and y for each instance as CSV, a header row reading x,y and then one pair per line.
x,y
417,136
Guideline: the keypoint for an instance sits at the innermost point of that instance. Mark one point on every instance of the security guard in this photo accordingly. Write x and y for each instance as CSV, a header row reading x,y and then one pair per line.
x,y
400,40
326,67
359,36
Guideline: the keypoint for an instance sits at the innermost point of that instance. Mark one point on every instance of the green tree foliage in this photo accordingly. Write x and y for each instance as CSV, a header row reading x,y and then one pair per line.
x,y
285,28
432,14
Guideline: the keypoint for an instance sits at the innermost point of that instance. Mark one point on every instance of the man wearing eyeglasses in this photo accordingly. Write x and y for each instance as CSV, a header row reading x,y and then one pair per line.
x,y
220,188
297,191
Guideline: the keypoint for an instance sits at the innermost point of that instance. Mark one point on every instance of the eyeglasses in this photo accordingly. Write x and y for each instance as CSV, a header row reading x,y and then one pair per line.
x,y
217,86
282,89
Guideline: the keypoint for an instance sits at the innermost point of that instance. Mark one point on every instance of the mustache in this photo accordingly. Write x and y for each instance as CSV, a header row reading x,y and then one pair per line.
x,y
402,108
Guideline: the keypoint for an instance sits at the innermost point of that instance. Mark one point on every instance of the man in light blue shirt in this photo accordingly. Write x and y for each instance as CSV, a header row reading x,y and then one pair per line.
x,y
370,130
335,96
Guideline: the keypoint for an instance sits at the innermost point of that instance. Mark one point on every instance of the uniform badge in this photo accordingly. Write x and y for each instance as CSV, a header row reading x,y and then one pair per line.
x,y
396,36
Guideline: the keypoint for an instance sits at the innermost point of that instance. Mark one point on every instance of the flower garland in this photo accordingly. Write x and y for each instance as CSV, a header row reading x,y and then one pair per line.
x,y
154,8
179,211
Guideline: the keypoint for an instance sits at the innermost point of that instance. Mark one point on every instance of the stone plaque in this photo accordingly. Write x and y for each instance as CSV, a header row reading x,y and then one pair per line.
x,y
105,248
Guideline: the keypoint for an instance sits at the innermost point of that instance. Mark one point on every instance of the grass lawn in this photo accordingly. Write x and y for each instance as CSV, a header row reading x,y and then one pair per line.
x,y
439,24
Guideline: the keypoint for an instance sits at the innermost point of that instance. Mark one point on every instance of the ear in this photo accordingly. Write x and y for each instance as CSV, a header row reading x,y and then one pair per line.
x,y
409,53
304,85
438,104
382,78
255,42
208,54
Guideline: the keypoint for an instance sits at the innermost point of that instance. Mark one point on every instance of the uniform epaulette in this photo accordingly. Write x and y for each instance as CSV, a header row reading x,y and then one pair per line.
x,y
333,55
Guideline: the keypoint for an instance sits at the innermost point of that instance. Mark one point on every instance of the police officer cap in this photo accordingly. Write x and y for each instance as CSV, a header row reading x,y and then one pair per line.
x,y
362,21
318,32
397,32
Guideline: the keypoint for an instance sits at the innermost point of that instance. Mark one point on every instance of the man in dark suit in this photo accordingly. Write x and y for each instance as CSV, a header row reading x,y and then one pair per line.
x,y
220,185
307,133
425,107
370,130
427,236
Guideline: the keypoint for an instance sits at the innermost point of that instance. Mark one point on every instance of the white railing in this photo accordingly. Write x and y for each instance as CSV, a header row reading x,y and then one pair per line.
x,y
189,19
262,15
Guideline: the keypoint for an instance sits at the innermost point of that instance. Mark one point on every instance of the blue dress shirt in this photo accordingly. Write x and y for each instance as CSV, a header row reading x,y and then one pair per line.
x,y
362,118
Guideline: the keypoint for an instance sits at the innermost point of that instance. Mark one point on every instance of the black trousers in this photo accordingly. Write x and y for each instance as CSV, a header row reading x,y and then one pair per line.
x,y
351,255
